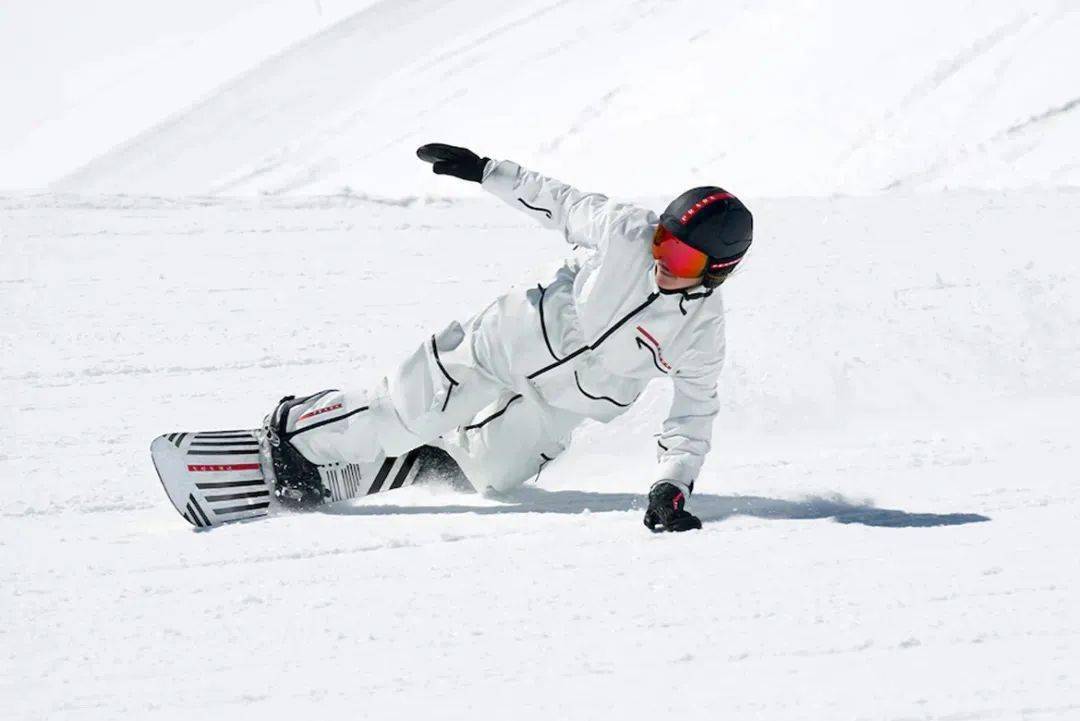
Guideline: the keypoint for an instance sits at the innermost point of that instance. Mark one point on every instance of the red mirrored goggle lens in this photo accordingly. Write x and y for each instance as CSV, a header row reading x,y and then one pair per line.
x,y
677,258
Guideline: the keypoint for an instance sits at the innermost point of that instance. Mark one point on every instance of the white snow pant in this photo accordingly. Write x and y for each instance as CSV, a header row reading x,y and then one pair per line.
x,y
452,392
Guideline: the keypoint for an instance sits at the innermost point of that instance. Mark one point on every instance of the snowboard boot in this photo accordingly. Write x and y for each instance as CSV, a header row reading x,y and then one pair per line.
x,y
295,480
298,483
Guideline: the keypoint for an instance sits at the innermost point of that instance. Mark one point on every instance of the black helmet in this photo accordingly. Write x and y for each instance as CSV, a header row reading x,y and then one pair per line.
x,y
715,222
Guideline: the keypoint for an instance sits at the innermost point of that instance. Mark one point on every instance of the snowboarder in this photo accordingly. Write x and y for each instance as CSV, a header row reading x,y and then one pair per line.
x,y
501,392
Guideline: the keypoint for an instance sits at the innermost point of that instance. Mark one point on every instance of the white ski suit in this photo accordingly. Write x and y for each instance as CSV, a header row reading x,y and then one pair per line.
x,y
502,391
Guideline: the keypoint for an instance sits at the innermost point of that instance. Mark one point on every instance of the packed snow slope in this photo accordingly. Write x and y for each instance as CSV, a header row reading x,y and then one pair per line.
x,y
642,96
77,78
890,507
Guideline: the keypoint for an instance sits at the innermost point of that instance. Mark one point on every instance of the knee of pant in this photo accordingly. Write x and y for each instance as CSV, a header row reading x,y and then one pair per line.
x,y
508,474
428,379
336,427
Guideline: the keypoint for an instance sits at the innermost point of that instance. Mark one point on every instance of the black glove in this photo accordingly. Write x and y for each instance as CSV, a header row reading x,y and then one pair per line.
x,y
452,160
666,504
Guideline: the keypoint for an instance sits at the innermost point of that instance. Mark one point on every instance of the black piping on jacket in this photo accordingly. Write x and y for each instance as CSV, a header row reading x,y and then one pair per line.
x,y
600,398
449,377
603,337
543,323
653,353
545,211
494,415
686,295
545,460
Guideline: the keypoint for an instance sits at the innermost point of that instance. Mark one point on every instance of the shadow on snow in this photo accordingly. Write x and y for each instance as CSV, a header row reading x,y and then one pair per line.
x,y
707,507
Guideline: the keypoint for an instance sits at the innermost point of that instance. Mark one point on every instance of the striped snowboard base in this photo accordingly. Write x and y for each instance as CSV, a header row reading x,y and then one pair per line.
x,y
215,477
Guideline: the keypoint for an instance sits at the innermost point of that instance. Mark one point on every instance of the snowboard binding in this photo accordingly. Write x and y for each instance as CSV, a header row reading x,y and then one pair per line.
x,y
296,481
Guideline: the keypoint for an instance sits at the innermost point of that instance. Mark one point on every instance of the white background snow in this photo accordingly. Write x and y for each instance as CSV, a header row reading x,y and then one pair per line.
x,y
211,205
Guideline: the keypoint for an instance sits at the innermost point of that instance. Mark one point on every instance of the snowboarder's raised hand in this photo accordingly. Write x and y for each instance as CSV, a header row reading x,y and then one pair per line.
x,y
452,160
666,510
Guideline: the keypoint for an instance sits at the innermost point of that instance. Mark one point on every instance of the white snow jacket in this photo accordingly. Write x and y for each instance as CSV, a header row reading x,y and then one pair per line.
x,y
607,328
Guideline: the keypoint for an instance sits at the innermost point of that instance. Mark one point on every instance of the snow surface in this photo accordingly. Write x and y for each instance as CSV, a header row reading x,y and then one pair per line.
x,y
890,509
630,96
235,214
80,78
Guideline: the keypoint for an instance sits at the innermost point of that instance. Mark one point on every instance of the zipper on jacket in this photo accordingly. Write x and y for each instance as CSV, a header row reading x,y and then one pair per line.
x,y
603,337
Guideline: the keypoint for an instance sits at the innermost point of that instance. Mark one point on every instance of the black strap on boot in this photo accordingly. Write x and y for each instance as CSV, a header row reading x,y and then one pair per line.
x,y
297,483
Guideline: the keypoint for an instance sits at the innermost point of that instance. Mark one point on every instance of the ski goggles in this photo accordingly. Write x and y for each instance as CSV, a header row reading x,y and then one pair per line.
x,y
676,257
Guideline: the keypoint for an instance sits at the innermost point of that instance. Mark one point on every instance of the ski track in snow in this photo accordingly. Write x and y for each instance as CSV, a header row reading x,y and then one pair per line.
x,y
890,508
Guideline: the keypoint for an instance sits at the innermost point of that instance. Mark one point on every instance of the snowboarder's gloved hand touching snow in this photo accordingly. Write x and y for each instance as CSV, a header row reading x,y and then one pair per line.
x,y
666,510
452,160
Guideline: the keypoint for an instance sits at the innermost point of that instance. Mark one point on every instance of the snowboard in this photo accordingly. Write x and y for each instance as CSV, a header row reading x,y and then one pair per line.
x,y
218,477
